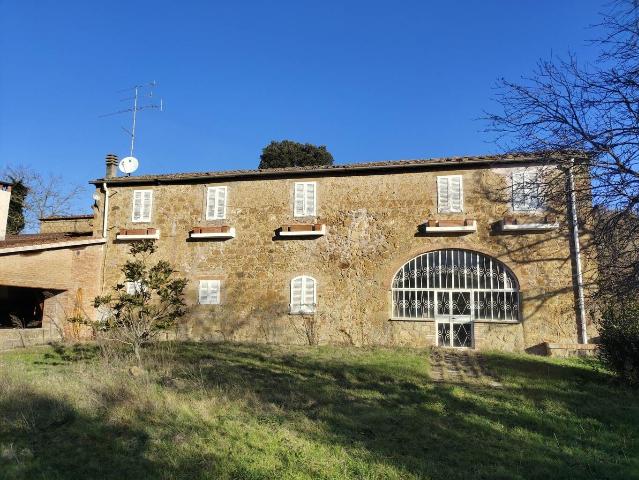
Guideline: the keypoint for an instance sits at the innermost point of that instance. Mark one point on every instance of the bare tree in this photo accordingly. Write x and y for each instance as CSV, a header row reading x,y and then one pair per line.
x,y
566,106
307,327
47,195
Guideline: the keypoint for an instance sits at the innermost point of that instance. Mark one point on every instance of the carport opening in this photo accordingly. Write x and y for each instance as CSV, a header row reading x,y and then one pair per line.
x,y
22,307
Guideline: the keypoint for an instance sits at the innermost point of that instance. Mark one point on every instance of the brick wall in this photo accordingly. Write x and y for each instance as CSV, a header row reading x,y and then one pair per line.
x,y
72,278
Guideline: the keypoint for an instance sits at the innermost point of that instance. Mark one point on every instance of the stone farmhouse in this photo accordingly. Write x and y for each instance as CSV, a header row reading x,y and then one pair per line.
x,y
466,252
460,252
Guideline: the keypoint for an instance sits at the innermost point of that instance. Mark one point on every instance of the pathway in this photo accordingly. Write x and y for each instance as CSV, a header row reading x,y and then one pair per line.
x,y
460,366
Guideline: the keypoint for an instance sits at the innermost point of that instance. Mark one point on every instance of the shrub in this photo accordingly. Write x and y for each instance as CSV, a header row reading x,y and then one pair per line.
x,y
619,339
156,303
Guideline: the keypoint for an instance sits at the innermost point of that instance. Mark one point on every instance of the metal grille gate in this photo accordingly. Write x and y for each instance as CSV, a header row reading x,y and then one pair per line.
x,y
457,285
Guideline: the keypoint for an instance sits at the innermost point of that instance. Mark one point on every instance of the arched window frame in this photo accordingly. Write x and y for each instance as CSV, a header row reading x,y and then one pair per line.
x,y
495,295
303,307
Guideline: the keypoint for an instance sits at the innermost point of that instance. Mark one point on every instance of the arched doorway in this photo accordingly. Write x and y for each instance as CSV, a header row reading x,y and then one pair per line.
x,y
455,287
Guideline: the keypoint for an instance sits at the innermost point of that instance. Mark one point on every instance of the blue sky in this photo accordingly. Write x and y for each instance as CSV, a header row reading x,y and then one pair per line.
x,y
371,80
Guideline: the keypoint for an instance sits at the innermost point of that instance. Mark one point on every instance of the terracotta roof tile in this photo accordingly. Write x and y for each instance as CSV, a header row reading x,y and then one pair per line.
x,y
66,217
40,238
445,162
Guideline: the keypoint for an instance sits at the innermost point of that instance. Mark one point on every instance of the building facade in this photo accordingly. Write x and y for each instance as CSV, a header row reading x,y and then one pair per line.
x,y
464,252
45,281
47,278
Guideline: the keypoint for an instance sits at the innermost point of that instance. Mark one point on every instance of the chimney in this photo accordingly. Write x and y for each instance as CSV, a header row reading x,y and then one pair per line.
x,y
5,196
111,166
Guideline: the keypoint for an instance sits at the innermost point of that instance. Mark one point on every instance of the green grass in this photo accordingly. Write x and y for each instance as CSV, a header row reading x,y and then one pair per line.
x,y
223,411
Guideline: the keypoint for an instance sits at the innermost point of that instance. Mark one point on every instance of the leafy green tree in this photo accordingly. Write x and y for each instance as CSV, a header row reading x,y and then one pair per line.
x,y
293,154
16,221
153,303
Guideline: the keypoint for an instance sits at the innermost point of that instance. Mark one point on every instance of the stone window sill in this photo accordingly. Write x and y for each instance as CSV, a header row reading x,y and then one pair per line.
x,y
138,234
449,226
222,232
527,227
302,230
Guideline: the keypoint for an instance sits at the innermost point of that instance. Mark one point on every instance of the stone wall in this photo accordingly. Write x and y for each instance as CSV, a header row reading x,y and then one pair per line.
x,y
66,225
372,223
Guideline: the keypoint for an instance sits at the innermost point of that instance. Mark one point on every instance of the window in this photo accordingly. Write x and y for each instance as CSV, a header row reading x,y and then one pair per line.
x,y
133,288
455,282
526,191
305,199
303,295
142,204
215,203
209,292
450,194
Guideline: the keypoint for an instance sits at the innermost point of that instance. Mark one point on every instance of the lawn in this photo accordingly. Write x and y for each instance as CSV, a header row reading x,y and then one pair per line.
x,y
225,411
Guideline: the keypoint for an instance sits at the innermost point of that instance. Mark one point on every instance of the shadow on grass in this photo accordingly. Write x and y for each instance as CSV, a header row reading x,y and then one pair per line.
x,y
62,353
548,421
46,438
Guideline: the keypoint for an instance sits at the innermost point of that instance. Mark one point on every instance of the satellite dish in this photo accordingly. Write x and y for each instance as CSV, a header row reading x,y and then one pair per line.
x,y
128,165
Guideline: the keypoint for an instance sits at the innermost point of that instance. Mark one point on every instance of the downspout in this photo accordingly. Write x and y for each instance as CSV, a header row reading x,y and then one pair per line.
x,y
111,172
105,216
574,234
105,226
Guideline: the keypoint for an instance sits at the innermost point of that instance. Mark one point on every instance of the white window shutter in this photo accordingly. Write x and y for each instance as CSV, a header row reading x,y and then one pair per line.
x,y
309,294
203,295
220,203
533,190
147,204
443,204
455,193
296,294
298,210
518,180
137,206
450,194
310,199
526,191
214,292
303,294
209,292
210,203
216,203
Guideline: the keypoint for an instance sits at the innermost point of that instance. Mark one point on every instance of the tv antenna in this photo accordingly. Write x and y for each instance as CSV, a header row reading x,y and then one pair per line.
x,y
139,92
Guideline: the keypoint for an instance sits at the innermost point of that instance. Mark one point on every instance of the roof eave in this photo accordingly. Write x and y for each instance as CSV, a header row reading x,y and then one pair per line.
x,y
333,171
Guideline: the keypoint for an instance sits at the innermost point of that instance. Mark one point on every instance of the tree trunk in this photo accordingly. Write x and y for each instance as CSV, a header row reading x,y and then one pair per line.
x,y
136,350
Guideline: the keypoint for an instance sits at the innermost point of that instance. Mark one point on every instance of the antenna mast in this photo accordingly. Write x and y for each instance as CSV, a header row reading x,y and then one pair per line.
x,y
137,107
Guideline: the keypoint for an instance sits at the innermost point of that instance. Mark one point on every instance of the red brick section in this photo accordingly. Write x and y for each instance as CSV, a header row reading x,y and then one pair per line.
x,y
461,222
302,227
137,231
212,229
511,220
